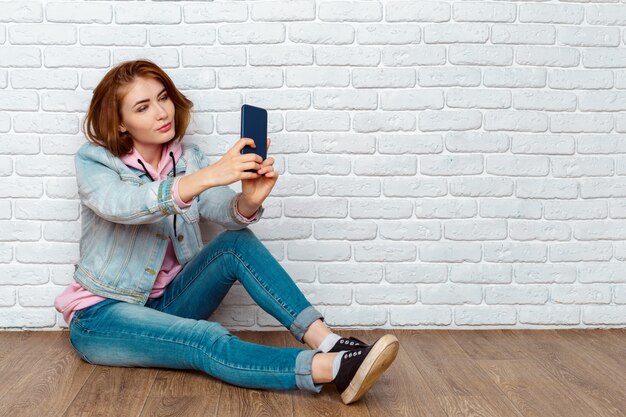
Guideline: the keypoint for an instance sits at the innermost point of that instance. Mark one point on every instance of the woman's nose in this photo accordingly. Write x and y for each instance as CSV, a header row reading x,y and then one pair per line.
x,y
162,113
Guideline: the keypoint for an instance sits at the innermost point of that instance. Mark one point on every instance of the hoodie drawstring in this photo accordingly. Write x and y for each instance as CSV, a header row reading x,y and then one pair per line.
x,y
152,179
174,165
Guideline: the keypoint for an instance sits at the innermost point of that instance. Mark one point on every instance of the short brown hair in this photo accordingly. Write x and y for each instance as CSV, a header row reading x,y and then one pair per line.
x,y
104,115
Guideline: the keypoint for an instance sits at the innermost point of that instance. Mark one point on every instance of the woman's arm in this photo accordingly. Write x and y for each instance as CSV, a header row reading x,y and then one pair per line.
x,y
102,190
191,185
216,202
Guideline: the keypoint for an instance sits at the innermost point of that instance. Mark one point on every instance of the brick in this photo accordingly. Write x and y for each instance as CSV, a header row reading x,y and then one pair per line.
x,y
482,273
518,121
417,273
554,145
582,167
478,315
572,252
604,315
484,142
350,11
581,294
350,273
344,230
481,187
544,273
451,294
29,318
600,230
570,210
402,100
316,208
540,188
344,143
417,315
457,165
380,208
515,252
318,251
47,253
414,187
549,315
387,34
355,316
592,272
528,166
283,229
450,252
510,208
348,187
539,230
384,252
473,230
410,230
327,294
521,294
385,294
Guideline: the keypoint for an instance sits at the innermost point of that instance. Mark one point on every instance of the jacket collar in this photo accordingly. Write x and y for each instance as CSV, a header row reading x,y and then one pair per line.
x,y
100,154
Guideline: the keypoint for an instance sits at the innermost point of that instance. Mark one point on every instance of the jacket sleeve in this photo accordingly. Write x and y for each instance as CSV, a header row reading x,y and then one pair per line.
x,y
218,204
102,190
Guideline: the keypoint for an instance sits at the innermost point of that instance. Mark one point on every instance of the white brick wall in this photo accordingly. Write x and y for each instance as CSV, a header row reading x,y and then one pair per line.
x,y
456,164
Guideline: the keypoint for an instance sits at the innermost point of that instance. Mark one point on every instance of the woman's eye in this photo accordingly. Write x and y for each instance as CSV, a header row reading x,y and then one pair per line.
x,y
164,97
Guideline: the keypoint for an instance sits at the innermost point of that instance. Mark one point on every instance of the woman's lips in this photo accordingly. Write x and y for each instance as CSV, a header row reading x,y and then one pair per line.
x,y
165,128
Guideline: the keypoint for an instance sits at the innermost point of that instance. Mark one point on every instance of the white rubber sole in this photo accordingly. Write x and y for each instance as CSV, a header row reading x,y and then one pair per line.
x,y
377,361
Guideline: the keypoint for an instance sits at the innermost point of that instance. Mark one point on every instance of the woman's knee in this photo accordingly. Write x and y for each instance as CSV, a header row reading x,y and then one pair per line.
x,y
235,238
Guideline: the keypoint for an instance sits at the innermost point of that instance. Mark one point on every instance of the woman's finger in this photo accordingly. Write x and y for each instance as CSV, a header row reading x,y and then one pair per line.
x,y
269,161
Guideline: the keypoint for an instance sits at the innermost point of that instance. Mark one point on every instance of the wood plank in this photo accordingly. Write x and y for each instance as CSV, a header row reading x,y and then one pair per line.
x,y
576,373
457,381
20,359
326,403
598,345
13,344
238,401
47,383
402,390
533,391
487,344
113,391
183,393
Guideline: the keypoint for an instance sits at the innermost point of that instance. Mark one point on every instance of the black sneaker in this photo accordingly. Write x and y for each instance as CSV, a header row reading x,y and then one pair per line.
x,y
360,368
348,344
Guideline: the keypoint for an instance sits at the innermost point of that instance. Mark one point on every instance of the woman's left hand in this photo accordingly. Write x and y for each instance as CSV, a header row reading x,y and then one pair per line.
x,y
256,190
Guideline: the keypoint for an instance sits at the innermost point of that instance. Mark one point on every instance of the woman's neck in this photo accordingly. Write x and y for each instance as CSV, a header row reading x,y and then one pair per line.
x,y
150,153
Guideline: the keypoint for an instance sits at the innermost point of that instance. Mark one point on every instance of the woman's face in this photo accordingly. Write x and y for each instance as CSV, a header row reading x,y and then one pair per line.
x,y
146,107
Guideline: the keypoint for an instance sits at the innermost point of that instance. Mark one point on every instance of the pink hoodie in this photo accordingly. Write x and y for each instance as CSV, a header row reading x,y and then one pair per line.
x,y
75,297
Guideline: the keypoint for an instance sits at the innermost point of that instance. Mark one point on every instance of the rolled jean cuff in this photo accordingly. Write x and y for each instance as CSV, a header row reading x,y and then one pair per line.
x,y
303,321
304,374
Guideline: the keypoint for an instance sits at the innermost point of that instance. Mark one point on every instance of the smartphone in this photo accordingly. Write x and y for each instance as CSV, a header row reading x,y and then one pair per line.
x,y
254,126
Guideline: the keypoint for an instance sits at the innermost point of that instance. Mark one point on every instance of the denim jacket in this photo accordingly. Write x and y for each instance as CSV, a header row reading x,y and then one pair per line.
x,y
126,221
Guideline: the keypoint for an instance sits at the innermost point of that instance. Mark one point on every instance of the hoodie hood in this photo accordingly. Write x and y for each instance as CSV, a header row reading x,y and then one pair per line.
x,y
165,164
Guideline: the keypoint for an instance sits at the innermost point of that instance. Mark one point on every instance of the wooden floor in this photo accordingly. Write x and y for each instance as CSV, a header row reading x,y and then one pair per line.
x,y
437,373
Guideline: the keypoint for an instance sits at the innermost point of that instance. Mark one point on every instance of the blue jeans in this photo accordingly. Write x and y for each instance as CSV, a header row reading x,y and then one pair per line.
x,y
172,331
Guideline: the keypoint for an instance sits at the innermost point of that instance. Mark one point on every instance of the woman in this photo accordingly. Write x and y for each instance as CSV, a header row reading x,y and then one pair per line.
x,y
146,283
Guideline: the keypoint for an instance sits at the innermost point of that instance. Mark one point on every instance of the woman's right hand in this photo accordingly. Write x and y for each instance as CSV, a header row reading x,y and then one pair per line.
x,y
233,165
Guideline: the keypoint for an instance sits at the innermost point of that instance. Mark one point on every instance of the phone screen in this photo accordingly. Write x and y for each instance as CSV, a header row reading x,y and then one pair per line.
x,y
254,126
